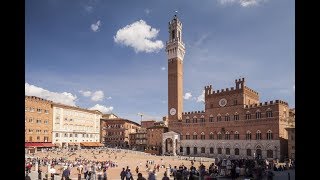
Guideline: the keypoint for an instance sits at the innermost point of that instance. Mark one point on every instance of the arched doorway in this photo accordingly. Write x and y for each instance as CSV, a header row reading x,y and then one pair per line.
x,y
188,150
258,152
169,146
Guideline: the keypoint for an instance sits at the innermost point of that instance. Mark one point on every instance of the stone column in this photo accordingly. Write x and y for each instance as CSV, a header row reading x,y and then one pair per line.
x,y
168,171
174,147
163,146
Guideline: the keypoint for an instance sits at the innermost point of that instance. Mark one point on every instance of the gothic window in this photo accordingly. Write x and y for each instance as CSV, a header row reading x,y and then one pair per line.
x,y
195,136
227,136
211,118
219,151
203,150
236,151
202,119
269,135
258,115
211,136
211,150
219,135
258,135
203,136
194,120
236,116
227,117
219,117
269,113
195,150
228,151
248,115
187,119
248,135
236,135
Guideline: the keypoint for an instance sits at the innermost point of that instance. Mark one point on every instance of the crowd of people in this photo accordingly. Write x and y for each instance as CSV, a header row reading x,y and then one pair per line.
x,y
66,162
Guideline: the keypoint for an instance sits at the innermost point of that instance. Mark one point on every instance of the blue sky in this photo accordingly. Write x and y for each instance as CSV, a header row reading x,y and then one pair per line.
x,y
109,55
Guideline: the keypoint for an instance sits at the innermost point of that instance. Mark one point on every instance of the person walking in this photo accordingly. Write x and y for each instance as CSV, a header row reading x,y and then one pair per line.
x,y
123,174
140,177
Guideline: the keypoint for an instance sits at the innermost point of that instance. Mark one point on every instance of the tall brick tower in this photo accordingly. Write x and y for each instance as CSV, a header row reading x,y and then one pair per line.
x,y
175,51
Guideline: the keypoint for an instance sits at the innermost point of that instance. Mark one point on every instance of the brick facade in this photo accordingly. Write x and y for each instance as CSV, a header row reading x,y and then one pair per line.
x,y
38,119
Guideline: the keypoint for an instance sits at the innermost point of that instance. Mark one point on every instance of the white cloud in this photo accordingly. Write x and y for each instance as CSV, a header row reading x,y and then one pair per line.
x,y
85,93
109,97
201,97
88,8
97,96
102,108
64,97
140,36
95,27
163,68
243,3
187,95
147,11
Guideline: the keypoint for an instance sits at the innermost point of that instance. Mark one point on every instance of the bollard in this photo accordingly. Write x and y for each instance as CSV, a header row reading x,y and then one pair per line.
x,y
288,176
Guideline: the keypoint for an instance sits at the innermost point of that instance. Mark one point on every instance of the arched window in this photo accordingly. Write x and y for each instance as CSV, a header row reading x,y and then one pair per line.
x,y
203,136
258,135
258,114
195,136
211,150
227,117
248,135
219,135
227,137
202,119
181,149
269,153
236,116
195,120
248,115
195,150
227,151
236,151
236,135
187,119
218,117
203,150
219,151
211,118
211,136
269,135
187,136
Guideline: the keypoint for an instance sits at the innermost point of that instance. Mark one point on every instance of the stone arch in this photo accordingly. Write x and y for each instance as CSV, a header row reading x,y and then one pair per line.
x,y
202,116
227,145
236,113
194,117
194,133
248,146
211,115
187,133
187,117
219,145
202,133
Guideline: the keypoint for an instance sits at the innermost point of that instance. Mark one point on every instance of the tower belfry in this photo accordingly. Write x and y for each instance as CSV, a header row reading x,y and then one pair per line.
x,y
175,50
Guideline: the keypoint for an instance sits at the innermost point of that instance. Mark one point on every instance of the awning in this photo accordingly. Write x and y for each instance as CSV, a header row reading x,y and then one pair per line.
x,y
36,144
91,144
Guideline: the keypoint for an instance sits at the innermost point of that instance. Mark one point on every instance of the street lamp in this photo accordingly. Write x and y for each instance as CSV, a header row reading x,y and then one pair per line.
x,y
140,114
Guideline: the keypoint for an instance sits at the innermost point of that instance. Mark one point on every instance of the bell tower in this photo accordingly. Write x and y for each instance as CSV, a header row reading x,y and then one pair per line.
x,y
175,52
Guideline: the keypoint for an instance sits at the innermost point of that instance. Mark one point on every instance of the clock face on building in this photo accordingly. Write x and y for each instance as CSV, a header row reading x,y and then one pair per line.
x,y
172,111
222,102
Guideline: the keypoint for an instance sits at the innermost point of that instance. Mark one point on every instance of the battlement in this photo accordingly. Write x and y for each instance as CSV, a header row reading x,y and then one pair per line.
x,y
251,90
38,98
209,91
175,20
193,112
267,103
